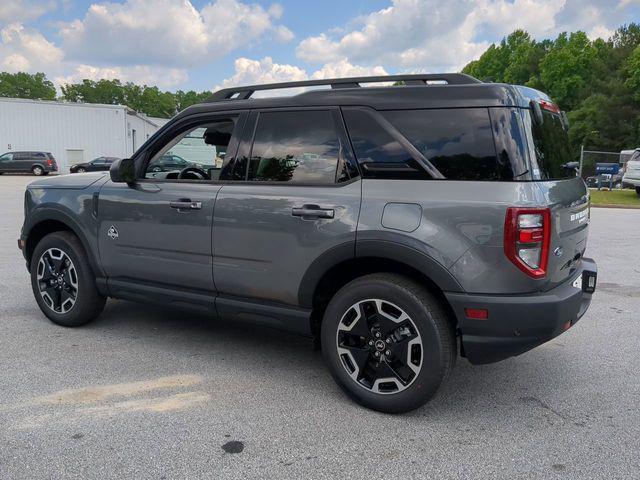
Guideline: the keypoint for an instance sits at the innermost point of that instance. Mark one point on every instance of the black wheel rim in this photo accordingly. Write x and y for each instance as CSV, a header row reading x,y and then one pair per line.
x,y
379,346
57,280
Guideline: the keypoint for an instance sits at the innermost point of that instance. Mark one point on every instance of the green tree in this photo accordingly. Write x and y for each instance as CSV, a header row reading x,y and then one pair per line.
x,y
24,85
567,69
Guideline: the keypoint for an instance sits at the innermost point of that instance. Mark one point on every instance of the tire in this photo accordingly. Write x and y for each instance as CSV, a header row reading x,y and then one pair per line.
x,y
37,170
80,170
414,329
79,301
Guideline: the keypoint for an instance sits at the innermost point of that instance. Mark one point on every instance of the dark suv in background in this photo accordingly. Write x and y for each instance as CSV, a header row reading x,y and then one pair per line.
x,y
400,226
100,164
38,163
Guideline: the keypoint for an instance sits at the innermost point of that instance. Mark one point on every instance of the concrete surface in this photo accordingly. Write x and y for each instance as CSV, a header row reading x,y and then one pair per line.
x,y
148,393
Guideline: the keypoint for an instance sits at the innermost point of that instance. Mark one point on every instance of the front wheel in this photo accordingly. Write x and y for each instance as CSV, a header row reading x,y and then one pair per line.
x,y
81,170
62,281
388,342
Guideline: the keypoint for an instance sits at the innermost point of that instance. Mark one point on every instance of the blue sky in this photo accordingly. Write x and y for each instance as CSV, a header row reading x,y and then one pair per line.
x,y
204,44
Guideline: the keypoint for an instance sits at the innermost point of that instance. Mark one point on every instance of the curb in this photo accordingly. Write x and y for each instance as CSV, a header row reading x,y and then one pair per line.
x,y
614,205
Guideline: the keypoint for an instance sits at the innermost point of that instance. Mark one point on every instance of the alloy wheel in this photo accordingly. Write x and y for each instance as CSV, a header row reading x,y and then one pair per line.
x,y
37,171
57,280
379,346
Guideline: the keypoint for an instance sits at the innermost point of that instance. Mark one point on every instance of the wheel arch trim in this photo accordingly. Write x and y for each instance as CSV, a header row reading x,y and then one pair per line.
x,y
388,250
44,214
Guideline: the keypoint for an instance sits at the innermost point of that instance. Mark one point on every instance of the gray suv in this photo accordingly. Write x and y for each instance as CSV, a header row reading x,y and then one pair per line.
x,y
399,226
38,163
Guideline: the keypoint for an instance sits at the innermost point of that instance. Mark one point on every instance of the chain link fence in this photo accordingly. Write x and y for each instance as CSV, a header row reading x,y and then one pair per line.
x,y
591,157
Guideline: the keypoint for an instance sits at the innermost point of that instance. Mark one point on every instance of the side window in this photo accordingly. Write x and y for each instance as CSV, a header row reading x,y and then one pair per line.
x,y
201,148
39,155
7,157
458,142
300,146
379,154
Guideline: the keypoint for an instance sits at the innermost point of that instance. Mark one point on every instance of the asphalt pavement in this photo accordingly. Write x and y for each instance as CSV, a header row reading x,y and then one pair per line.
x,y
149,393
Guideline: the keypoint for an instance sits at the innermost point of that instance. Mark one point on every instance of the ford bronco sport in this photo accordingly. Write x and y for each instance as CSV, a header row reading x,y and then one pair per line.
x,y
401,226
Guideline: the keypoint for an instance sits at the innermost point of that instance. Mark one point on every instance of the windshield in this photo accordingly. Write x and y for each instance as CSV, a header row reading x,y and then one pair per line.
x,y
551,159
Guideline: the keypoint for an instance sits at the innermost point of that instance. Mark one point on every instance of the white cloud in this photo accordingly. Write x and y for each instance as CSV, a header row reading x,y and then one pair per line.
x,y
343,68
24,49
431,35
12,11
251,72
160,77
167,32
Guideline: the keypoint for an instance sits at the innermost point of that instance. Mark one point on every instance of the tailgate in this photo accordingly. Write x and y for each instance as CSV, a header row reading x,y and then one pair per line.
x,y
569,204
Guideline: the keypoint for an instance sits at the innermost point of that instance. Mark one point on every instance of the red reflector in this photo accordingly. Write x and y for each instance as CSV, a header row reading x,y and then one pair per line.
x,y
476,313
531,236
566,326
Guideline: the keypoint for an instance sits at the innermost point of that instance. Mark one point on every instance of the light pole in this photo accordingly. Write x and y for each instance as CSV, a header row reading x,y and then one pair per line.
x,y
584,140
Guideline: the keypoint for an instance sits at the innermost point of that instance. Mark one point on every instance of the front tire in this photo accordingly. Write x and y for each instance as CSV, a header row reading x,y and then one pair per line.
x,y
388,342
62,281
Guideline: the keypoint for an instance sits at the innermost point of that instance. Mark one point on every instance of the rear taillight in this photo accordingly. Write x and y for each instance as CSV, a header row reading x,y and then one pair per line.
x,y
527,233
49,162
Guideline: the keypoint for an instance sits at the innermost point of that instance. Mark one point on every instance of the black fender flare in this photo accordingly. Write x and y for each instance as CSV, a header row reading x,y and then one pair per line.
x,y
390,250
43,214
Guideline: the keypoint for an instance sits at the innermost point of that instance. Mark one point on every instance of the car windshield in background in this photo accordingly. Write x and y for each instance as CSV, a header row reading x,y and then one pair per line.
x,y
551,149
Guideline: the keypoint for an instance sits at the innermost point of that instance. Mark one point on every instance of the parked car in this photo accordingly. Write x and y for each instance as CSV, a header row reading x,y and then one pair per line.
x,y
631,176
95,165
399,226
38,163
167,163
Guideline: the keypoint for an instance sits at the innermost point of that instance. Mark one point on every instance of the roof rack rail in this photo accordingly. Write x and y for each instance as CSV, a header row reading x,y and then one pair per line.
x,y
243,93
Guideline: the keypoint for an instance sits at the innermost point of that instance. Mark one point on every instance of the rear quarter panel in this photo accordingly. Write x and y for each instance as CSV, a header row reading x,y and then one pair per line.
x,y
461,226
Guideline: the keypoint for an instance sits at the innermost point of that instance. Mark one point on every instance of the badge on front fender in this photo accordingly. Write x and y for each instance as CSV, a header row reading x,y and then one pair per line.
x,y
112,233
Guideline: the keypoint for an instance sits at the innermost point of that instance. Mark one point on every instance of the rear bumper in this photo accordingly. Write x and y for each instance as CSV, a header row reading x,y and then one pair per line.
x,y
516,324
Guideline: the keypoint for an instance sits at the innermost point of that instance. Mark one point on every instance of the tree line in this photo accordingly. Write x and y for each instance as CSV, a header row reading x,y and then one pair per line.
x,y
596,81
149,100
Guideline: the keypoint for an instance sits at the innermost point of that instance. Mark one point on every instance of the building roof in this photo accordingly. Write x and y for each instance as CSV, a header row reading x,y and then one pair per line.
x,y
128,110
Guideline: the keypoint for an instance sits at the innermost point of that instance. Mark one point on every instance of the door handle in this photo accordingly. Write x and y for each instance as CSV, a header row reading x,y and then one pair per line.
x,y
312,211
185,204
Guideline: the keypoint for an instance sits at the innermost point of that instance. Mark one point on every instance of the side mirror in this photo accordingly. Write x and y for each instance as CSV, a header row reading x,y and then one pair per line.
x,y
123,171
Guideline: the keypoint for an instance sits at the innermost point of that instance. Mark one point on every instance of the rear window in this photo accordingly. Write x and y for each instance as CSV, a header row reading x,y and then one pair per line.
x,y
552,153
457,142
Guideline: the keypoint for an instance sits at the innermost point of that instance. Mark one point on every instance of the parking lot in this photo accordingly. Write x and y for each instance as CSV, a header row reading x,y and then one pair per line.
x,y
144,392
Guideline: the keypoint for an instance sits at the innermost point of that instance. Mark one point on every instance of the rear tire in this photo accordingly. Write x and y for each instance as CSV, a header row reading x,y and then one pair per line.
x,y
388,342
37,170
62,281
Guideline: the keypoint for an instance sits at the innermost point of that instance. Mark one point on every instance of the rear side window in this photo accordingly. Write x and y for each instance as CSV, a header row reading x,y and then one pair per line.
x,y
457,142
298,146
551,148
380,154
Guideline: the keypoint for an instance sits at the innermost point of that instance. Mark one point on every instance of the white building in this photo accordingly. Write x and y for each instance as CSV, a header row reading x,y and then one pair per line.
x,y
73,132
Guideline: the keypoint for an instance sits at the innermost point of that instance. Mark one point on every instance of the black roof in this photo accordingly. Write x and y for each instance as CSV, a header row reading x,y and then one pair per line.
x,y
417,91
